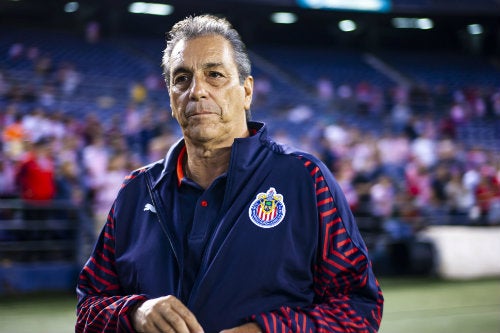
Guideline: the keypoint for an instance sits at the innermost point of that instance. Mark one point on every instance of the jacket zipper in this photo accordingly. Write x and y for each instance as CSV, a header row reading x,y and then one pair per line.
x,y
159,214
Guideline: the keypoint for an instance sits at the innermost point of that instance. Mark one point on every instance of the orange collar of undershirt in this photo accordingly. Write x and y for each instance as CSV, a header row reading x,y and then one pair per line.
x,y
180,169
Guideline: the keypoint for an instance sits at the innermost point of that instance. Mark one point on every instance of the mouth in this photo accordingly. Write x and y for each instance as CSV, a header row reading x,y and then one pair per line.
x,y
199,112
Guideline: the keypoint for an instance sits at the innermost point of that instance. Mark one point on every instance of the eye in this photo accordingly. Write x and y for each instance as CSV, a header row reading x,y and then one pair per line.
x,y
180,79
215,75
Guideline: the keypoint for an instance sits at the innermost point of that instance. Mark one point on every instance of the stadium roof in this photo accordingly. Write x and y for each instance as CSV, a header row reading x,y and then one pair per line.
x,y
450,20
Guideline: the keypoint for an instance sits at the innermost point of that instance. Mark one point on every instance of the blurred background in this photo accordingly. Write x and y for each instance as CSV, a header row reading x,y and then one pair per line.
x,y
400,98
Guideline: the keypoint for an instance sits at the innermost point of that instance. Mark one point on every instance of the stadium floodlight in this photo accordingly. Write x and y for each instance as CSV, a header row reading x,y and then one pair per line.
x,y
475,29
360,5
347,25
283,18
71,7
425,23
402,22
412,23
150,8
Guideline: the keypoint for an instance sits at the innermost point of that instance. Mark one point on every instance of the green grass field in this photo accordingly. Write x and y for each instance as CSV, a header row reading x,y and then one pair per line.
x,y
412,306
433,306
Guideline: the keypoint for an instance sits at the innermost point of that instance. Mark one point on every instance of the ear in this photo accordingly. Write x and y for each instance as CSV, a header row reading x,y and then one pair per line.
x,y
248,87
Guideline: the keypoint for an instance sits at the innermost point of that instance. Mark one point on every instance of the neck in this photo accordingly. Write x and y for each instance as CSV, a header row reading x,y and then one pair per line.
x,y
207,160
203,165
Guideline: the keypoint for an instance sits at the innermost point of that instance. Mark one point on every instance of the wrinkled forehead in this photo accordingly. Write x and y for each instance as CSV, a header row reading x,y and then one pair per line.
x,y
203,49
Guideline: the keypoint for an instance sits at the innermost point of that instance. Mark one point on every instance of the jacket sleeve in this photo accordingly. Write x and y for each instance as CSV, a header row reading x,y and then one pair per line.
x,y
348,297
102,307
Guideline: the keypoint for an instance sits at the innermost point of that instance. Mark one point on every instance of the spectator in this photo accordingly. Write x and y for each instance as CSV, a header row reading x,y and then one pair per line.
x,y
138,93
13,137
7,177
495,101
132,126
95,159
382,198
106,187
35,174
68,183
92,32
154,82
488,197
423,149
393,152
146,132
458,200
16,51
262,90
44,66
68,78
325,89
35,178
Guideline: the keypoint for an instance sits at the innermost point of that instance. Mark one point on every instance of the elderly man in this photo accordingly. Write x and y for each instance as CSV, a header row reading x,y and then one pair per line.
x,y
231,231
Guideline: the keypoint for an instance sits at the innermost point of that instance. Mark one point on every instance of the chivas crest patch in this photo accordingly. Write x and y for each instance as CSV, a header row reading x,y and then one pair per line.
x,y
268,209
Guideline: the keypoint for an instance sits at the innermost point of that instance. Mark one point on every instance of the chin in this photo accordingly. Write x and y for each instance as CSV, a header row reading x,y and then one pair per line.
x,y
202,133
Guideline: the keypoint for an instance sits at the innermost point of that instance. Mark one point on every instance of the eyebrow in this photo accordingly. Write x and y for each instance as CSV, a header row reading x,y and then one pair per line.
x,y
212,65
208,65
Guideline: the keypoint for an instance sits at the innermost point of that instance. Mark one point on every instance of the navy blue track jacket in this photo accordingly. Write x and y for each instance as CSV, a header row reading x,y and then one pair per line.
x,y
285,253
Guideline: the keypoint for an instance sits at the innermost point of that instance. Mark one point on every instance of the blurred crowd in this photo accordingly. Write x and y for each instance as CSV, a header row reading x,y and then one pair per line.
x,y
409,172
52,156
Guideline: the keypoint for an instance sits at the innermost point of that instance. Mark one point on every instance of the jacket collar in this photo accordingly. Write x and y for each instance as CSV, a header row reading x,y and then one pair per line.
x,y
258,133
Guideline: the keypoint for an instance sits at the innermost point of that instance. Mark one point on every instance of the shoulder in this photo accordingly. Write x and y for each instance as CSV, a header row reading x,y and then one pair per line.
x,y
157,170
139,173
320,175
311,163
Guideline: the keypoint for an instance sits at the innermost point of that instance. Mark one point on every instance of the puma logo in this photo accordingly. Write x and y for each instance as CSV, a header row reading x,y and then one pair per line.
x,y
150,207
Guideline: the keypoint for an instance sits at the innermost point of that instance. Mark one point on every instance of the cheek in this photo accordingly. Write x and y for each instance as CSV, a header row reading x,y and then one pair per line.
x,y
236,102
176,106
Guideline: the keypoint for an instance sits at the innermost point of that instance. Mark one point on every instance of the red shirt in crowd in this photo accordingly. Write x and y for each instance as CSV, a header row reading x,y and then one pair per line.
x,y
35,178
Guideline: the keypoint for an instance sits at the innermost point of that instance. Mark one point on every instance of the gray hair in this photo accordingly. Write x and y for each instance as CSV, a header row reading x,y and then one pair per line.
x,y
196,26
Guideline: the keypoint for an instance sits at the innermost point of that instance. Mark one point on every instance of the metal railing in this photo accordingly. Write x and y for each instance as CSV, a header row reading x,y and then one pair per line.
x,y
44,231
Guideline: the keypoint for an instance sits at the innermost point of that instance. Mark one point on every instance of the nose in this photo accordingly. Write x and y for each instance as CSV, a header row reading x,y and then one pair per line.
x,y
198,88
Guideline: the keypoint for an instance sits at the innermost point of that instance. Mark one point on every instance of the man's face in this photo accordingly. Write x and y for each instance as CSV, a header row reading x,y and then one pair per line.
x,y
206,97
